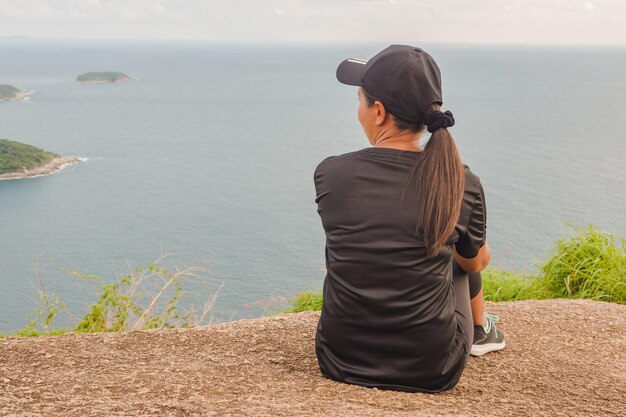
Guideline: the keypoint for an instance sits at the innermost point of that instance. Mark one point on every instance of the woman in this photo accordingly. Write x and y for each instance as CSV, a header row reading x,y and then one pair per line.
x,y
403,225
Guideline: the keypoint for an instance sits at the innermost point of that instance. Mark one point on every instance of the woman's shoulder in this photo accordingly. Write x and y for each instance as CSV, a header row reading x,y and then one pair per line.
x,y
472,181
333,159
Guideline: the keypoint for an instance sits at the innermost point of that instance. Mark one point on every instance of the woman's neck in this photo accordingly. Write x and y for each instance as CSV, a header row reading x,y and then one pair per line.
x,y
406,141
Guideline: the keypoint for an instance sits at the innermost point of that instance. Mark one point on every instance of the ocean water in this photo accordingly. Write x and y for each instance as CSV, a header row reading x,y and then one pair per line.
x,y
209,156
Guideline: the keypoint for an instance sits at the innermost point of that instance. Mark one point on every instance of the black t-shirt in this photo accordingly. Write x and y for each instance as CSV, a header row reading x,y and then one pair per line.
x,y
388,317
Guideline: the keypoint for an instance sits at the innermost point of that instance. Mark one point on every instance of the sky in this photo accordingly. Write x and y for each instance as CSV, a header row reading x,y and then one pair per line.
x,y
464,21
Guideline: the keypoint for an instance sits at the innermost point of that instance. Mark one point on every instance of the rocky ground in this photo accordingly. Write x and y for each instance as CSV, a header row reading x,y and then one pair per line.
x,y
563,358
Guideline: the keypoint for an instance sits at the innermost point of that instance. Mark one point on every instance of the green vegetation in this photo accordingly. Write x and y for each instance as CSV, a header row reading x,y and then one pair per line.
x,y
145,299
8,92
503,285
305,301
103,77
591,265
16,156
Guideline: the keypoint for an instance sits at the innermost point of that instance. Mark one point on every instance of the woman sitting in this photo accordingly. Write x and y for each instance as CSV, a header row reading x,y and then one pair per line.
x,y
405,238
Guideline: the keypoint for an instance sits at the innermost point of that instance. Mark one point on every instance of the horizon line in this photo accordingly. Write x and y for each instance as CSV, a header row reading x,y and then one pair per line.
x,y
322,42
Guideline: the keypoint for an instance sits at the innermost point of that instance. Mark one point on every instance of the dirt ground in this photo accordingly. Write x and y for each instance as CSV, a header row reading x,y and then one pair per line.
x,y
563,358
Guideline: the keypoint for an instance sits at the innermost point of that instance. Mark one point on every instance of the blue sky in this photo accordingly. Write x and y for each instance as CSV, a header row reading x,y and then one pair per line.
x,y
482,21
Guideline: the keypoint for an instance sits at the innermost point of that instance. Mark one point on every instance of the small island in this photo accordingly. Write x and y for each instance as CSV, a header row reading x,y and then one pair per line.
x,y
103,77
19,160
11,93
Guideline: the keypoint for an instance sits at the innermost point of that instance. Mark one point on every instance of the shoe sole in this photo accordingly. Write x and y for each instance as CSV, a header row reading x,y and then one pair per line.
x,y
480,350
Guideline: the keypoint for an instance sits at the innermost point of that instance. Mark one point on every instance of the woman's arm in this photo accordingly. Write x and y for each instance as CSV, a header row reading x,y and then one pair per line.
x,y
478,262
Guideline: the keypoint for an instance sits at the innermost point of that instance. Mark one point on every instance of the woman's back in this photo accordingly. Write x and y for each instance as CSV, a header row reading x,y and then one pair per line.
x,y
388,317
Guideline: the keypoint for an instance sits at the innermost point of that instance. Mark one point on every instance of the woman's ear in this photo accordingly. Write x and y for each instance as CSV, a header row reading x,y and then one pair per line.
x,y
381,113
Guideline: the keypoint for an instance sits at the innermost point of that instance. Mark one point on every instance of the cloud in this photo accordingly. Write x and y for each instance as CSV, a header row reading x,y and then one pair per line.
x,y
520,21
589,7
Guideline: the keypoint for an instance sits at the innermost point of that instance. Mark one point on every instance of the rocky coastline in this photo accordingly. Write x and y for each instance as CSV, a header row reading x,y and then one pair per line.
x,y
21,95
51,167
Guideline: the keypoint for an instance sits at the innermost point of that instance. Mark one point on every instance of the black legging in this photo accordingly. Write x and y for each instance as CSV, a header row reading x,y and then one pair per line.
x,y
466,286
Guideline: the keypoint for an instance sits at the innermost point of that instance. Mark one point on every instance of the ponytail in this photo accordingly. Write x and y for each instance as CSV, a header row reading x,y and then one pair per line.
x,y
439,175
440,181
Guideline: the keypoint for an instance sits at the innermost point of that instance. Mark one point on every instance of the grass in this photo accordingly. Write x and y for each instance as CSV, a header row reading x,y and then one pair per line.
x,y
503,285
591,265
305,301
29,332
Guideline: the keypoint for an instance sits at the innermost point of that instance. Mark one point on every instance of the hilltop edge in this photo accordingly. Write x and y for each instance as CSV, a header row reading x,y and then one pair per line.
x,y
563,357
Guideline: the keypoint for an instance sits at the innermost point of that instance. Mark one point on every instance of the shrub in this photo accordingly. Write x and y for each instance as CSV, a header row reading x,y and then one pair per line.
x,y
118,308
147,298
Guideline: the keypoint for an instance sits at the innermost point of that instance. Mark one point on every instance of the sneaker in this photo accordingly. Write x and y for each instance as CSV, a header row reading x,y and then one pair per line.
x,y
489,339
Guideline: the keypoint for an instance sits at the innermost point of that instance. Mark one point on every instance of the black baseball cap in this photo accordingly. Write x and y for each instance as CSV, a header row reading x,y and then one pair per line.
x,y
404,78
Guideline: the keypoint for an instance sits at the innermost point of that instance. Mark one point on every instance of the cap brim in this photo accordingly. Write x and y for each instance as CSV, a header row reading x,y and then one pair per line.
x,y
351,71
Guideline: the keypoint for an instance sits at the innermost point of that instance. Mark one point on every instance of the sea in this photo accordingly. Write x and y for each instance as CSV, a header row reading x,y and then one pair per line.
x,y
205,162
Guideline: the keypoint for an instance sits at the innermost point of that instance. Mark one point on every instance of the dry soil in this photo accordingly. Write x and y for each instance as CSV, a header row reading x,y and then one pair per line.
x,y
564,358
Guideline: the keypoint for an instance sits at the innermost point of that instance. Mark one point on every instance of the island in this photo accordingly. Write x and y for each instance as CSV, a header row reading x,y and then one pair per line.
x,y
11,93
19,160
103,77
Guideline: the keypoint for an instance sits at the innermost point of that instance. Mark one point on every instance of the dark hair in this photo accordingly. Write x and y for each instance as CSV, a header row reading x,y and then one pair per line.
x,y
440,182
